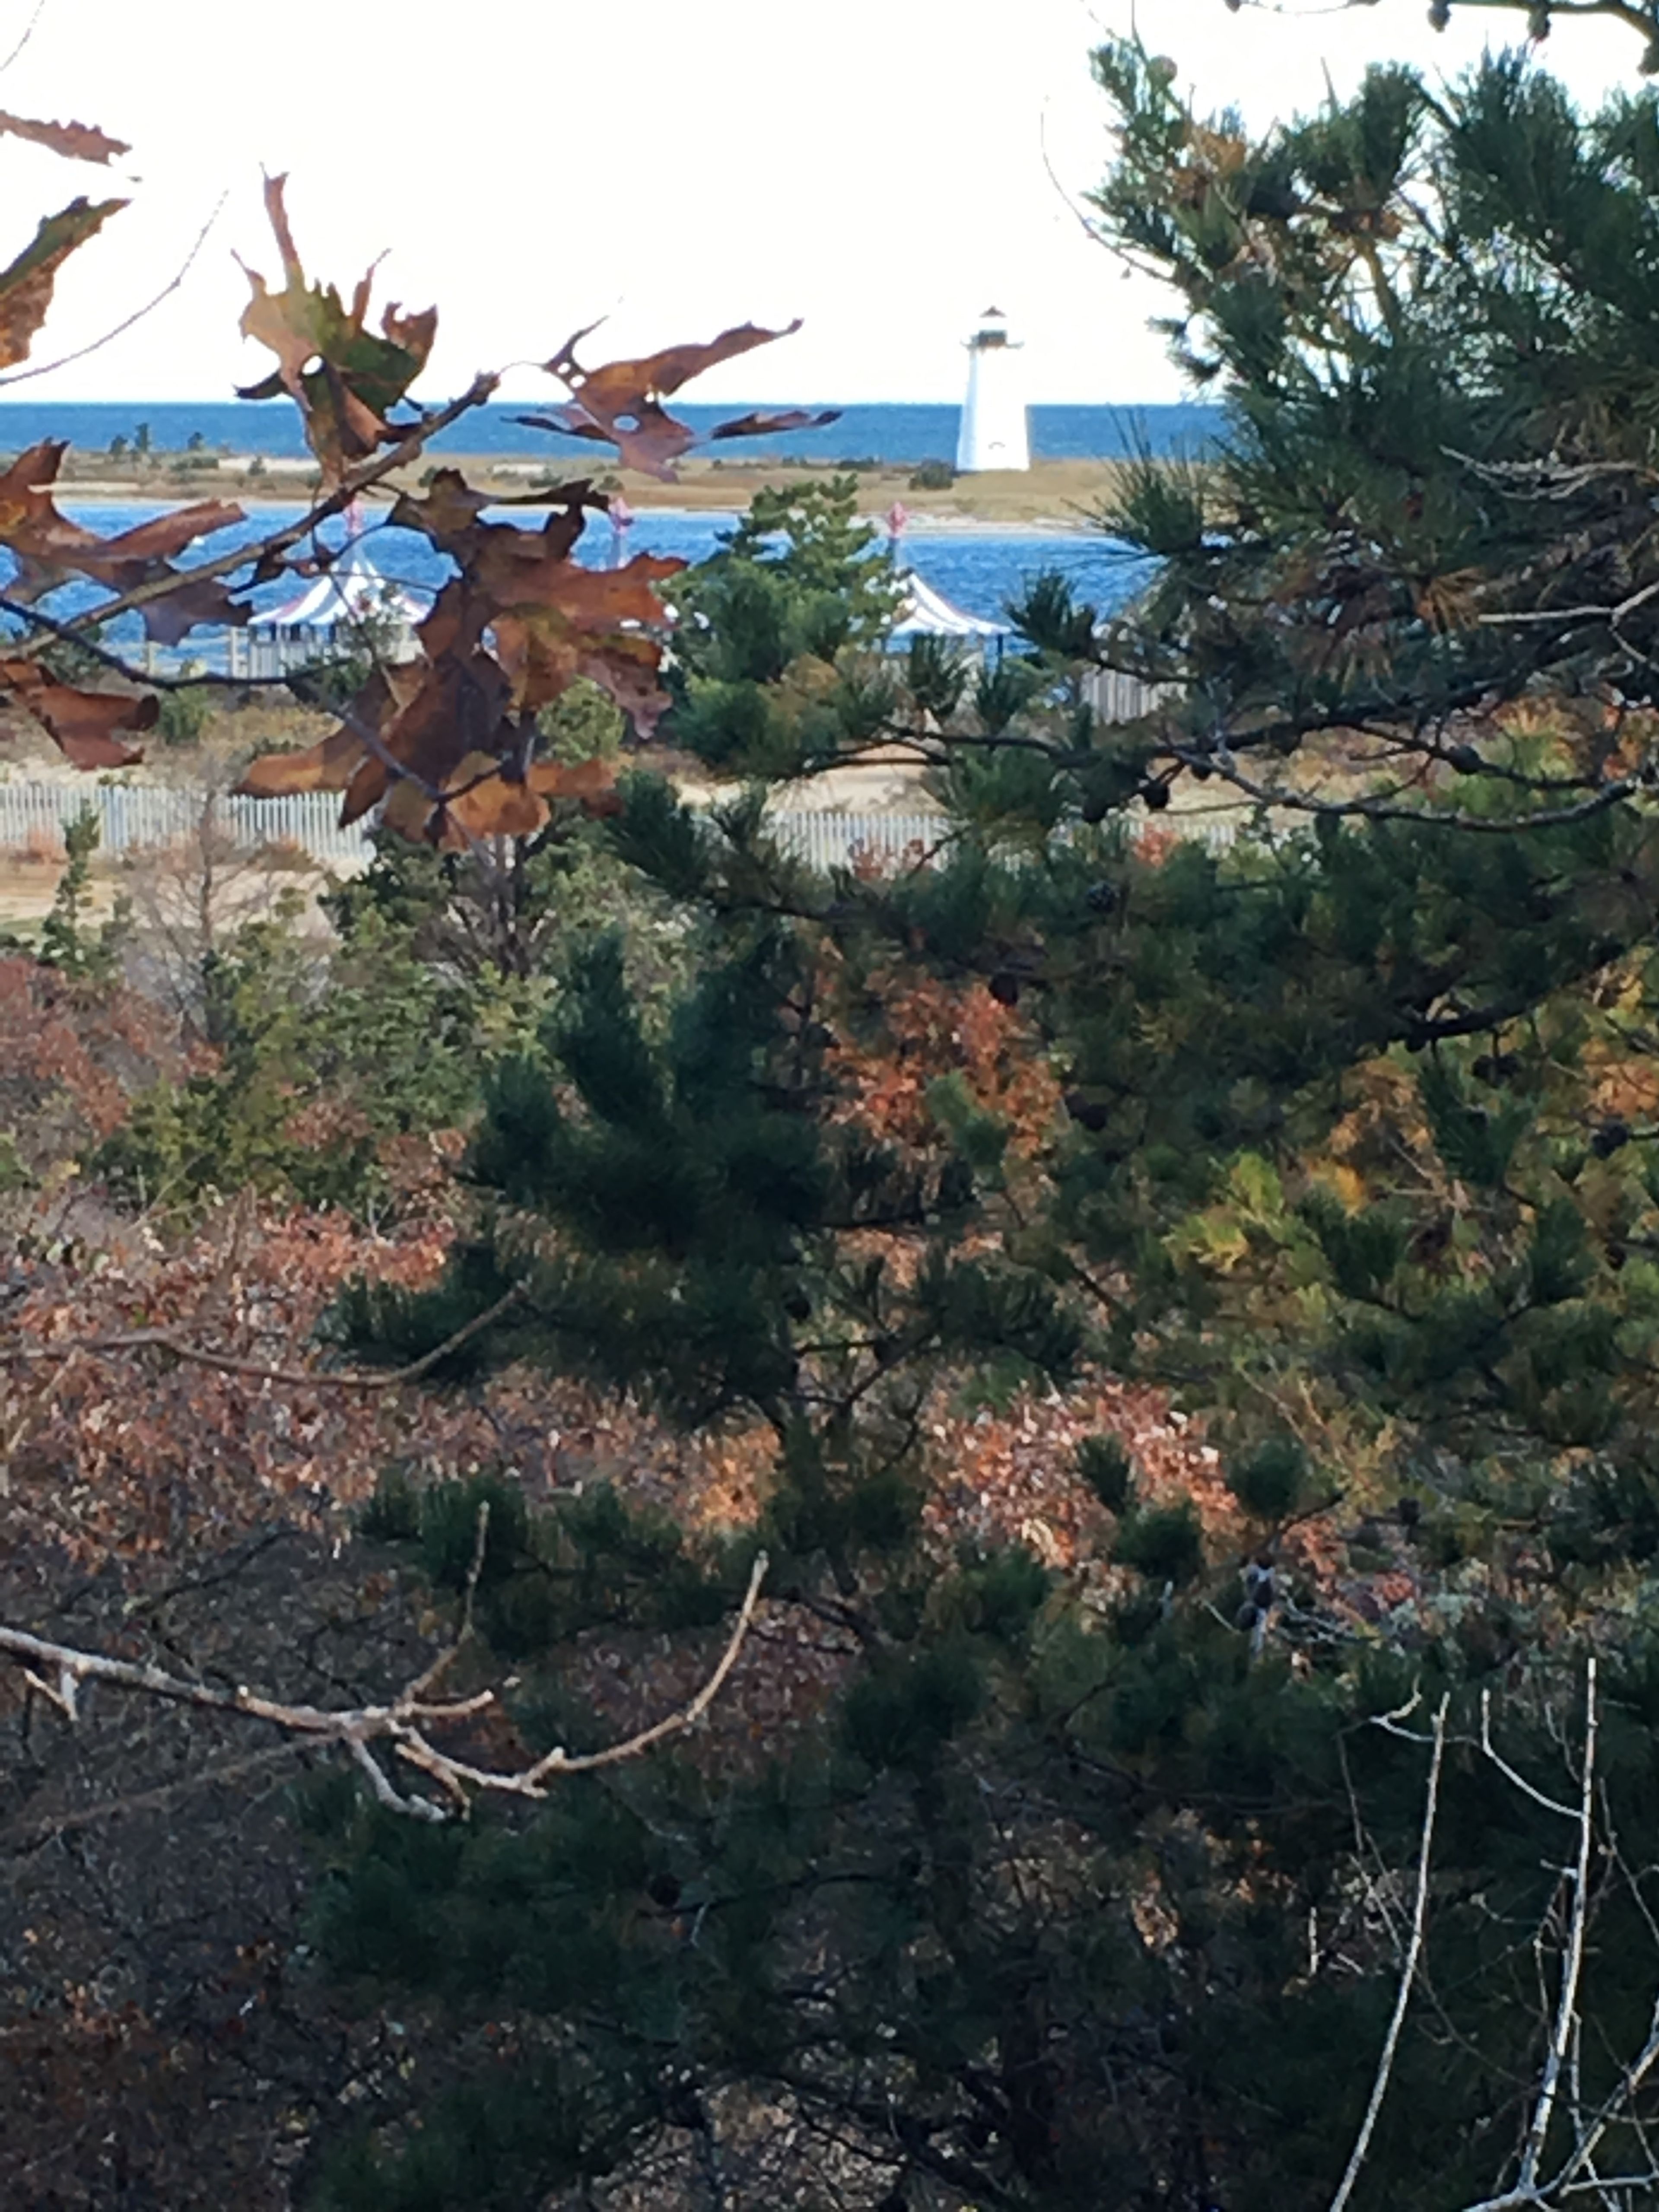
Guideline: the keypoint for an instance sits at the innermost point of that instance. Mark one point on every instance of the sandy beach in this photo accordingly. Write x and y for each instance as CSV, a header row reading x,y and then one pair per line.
x,y
1051,496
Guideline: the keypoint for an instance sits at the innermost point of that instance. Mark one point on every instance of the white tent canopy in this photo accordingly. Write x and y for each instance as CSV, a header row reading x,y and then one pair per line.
x,y
336,613
927,613
351,594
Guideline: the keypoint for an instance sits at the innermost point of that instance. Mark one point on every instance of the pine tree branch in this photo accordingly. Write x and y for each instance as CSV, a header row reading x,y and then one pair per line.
x,y
1644,20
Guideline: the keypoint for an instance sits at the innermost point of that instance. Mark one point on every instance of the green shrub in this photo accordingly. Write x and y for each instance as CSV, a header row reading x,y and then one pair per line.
x,y
1104,1464
1163,1543
1269,1480
184,716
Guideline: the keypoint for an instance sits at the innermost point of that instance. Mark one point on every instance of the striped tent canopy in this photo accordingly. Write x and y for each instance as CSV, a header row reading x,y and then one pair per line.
x,y
352,591
927,613
333,615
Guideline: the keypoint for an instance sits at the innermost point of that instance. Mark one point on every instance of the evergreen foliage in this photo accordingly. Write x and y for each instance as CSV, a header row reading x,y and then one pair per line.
x,y
1069,1902
312,1065
67,940
771,630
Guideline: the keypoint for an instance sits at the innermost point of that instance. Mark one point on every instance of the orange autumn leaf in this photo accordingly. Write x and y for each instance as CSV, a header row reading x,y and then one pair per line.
x,y
325,766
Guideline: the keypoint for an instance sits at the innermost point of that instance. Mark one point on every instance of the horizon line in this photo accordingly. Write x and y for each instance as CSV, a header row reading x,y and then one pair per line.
x,y
721,406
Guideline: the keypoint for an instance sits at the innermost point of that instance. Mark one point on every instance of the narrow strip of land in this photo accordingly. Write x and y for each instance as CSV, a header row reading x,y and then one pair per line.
x,y
1051,494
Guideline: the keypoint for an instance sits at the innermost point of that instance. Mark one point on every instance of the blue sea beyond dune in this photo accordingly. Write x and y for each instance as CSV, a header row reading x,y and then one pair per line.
x,y
888,433
981,570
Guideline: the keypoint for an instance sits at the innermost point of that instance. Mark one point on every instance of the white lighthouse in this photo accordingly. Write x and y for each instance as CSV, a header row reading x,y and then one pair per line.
x,y
993,434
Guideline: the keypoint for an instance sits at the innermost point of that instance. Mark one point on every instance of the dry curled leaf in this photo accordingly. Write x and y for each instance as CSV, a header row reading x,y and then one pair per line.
x,y
26,286
760,424
445,745
82,724
622,402
77,142
328,766
344,378
550,619
49,548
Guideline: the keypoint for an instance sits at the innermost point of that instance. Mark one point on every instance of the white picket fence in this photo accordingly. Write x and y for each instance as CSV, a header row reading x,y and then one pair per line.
x,y
138,817
825,840
1118,698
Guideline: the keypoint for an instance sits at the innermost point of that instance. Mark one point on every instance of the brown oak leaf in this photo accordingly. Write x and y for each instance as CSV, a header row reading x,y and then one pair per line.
x,y
344,378
77,142
26,286
82,724
445,745
760,424
622,402
49,548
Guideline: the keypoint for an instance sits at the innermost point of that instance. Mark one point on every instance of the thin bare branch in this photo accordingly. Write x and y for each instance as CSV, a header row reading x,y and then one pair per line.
x,y
1509,1773
28,32
1617,2102
403,1723
226,1363
434,1673
1407,1973
1610,615
1635,16
135,673
29,1836
1572,1965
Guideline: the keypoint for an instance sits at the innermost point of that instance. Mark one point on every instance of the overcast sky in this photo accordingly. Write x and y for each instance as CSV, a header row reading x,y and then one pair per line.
x,y
880,167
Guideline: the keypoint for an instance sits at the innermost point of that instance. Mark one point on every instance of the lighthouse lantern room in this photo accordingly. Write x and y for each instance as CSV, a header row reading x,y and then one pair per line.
x,y
993,433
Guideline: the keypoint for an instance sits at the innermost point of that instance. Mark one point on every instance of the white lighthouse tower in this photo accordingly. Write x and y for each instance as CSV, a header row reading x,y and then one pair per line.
x,y
993,433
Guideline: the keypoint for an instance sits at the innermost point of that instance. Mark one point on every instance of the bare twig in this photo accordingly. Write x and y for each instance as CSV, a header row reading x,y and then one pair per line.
x,y
1407,1973
201,1355
1504,826
28,32
403,1723
1566,2006
1520,1780
62,627
1637,17
1613,615
29,1836
425,1682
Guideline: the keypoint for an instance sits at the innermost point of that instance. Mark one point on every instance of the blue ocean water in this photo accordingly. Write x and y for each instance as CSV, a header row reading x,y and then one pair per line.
x,y
980,570
888,433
